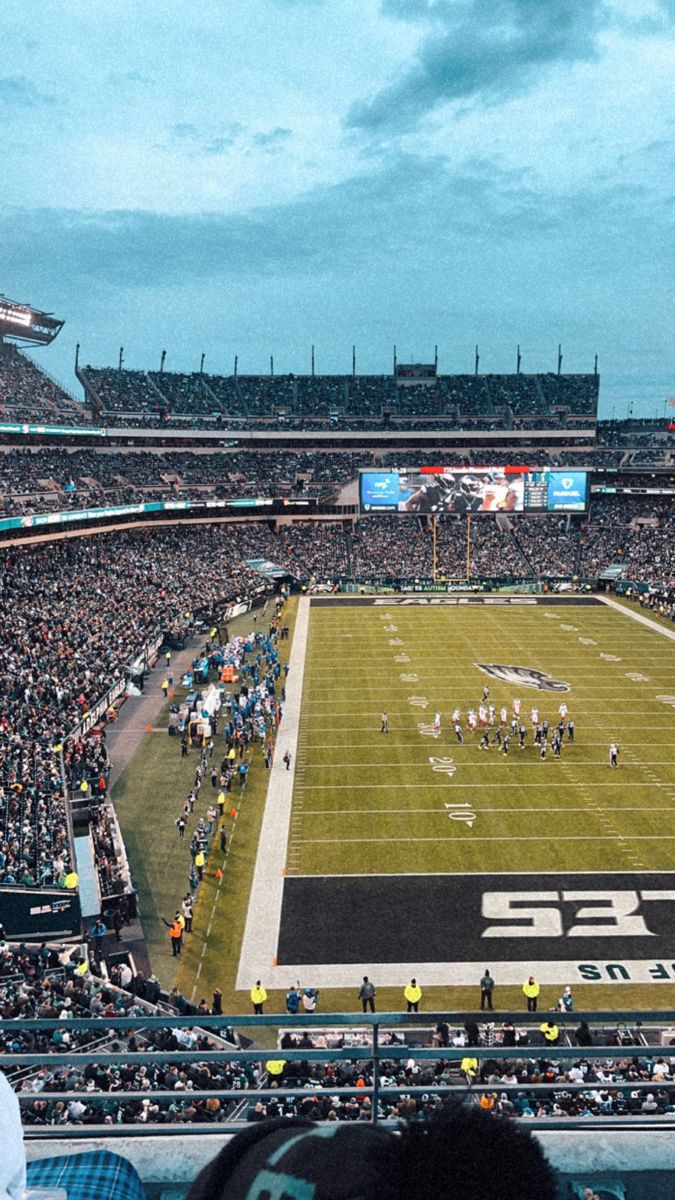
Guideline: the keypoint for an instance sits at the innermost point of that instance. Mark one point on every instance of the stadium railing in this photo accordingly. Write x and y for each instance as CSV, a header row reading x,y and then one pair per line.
x,y
370,1048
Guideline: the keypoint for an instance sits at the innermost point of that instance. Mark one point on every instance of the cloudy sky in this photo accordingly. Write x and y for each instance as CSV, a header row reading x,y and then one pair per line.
x,y
253,176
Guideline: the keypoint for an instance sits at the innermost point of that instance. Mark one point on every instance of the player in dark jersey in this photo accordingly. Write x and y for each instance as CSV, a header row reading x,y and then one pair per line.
x,y
434,495
447,493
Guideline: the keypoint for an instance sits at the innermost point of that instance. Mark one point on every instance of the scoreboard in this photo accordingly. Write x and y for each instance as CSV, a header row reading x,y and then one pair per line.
x,y
472,490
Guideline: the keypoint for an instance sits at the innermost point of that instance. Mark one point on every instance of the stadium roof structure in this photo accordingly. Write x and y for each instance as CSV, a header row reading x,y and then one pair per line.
x,y
24,323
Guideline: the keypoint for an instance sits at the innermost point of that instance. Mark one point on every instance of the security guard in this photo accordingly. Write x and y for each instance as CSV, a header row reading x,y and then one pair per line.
x,y
258,998
412,994
551,1033
531,989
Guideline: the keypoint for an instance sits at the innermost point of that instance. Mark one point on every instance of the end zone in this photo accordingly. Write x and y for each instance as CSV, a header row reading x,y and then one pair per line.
x,y
447,927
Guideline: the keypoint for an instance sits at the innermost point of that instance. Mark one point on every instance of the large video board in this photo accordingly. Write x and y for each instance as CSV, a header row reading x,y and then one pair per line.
x,y
472,490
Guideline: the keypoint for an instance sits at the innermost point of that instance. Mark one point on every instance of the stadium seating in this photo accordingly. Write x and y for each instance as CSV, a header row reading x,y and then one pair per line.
x,y
27,394
453,401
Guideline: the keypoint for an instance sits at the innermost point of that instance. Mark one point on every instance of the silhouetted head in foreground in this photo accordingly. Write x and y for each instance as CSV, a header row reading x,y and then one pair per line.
x,y
459,1153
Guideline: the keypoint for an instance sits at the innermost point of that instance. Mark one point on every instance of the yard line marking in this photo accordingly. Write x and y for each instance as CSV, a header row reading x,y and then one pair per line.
x,y
515,811
415,742
479,764
469,837
390,787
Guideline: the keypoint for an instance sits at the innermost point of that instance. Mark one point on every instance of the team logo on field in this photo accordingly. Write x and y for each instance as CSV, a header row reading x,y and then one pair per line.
x,y
524,677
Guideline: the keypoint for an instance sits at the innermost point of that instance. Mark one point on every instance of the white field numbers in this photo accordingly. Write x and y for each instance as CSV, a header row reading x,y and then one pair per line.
x,y
614,913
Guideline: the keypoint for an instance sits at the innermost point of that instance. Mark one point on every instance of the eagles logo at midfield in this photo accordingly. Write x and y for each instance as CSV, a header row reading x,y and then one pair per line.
x,y
524,676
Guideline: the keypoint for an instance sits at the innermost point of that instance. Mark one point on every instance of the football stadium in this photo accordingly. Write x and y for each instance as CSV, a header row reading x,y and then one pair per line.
x,y
337,584
299,731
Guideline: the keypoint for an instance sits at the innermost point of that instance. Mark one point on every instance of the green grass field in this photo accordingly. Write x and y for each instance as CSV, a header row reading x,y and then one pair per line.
x,y
365,802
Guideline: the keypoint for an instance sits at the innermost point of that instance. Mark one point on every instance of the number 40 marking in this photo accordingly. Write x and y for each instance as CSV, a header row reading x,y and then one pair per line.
x,y
615,913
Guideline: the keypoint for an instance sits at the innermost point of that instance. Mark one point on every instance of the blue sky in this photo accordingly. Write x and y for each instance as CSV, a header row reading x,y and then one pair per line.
x,y
254,176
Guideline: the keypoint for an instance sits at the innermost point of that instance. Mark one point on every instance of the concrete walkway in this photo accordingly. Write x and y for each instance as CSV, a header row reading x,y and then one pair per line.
x,y
123,739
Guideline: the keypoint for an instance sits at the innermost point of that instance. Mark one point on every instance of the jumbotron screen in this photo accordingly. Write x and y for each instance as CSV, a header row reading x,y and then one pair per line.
x,y
472,490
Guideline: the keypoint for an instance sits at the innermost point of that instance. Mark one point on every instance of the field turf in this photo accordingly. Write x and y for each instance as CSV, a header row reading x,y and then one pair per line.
x,y
371,802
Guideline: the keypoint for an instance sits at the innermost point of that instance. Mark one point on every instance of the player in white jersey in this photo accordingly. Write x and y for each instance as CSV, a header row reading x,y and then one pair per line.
x,y
504,714
471,720
534,715
491,714
563,710
456,716
516,707
482,714
437,723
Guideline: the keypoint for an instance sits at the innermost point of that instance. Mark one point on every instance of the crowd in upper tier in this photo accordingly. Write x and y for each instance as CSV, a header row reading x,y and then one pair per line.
x,y
342,403
478,401
28,394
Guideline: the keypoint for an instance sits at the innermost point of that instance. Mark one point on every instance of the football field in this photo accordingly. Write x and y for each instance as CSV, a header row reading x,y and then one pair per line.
x,y
407,850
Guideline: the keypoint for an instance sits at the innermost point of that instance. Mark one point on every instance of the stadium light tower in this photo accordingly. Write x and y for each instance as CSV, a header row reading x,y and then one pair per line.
x,y
272,365
121,359
162,361
560,358
519,359
353,362
201,364
312,361
476,362
25,323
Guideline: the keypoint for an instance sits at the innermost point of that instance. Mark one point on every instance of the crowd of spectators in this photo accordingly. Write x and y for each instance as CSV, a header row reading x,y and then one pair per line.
x,y
638,533
464,401
27,394
57,983
75,616
46,479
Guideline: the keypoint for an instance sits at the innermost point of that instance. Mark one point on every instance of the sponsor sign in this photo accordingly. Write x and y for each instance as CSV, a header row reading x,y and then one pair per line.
x,y
566,490
268,569
70,430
